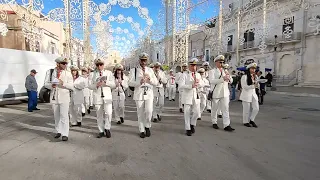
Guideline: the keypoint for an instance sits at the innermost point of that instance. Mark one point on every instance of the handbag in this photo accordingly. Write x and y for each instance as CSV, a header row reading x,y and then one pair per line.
x,y
135,78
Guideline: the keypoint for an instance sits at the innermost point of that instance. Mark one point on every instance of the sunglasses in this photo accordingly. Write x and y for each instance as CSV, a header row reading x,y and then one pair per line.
x,y
99,64
63,63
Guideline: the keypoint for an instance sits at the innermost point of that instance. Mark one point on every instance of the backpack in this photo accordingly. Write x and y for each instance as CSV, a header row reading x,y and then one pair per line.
x,y
135,78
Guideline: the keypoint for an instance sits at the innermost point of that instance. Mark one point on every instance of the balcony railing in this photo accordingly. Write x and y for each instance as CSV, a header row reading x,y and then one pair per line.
x,y
229,48
295,36
247,45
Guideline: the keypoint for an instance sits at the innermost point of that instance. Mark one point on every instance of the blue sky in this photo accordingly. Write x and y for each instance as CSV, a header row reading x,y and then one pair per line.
x,y
201,13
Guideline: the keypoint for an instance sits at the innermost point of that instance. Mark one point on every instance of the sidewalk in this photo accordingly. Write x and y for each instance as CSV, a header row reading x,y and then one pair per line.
x,y
297,91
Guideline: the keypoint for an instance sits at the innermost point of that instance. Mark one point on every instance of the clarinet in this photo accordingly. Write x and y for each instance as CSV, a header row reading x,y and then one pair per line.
x,y
54,94
145,89
118,86
102,96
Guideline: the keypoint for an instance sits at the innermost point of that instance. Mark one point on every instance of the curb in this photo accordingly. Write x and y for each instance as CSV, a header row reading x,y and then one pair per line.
x,y
294,94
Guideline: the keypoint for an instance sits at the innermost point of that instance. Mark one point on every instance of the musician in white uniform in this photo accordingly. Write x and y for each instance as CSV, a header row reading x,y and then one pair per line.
x,y
206,67
171,86
190,81
184,70
101,82
203,91
77,97
158,92
250,100
86,92
142,78
60,86
219,80
118,95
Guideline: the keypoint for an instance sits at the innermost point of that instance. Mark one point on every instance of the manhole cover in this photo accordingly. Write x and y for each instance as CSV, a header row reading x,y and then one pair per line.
x,y
309,109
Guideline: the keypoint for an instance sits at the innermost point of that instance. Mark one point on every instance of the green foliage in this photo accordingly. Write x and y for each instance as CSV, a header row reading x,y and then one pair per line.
x,y
165,67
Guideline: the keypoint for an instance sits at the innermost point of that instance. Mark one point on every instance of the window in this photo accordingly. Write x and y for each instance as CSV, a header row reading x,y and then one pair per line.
x,y
115,61
194,53
27,44
249,35
157,56
288,23
37,46
207,54
230,38
53,45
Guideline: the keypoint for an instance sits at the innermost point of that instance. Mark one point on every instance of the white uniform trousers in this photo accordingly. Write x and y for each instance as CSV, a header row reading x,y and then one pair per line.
x,y
208,105
118,106
219,112
166,92
104,116
180,99
158,102
172,91
144,111
250,110
188,119
224,105
203,103
61,118
75,111
87,103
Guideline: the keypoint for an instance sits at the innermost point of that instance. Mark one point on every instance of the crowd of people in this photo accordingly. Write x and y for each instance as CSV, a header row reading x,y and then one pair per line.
x,y
72,94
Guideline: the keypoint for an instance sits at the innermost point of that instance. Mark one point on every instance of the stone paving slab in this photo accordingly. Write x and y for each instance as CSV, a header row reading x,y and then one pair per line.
x,y
285,146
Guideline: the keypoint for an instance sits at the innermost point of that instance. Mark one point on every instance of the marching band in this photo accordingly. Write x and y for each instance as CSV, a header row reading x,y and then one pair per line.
x,y
73,95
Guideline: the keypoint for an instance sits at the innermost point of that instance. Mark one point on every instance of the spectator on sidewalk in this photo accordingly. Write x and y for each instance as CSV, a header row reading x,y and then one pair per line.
x,y
234,85
262,90
269,77
32,90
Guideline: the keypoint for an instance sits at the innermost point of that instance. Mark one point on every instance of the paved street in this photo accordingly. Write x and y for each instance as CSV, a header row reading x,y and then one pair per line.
x,y
286,146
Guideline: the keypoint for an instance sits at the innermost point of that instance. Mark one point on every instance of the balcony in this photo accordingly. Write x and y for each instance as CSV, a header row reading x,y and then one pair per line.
x,y
247,45
294,37
229,48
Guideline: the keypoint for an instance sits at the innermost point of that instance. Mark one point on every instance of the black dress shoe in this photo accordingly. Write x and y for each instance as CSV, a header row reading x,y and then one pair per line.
x,y
36,109
91,107
199,119
181,110
155,120
173,100
89,111
57,135
247,124
119,122
83,114
79,124
253,124
192,129
108,133
159,117
219,116
215,126
209,110
148,133
121,119
229,129
189,133
64,138
100,135
142,135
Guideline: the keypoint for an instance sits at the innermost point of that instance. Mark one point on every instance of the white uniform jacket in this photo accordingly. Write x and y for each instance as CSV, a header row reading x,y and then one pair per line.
x,y
160,86
205,90
62,93
138,91
178,79
188,93
218,85
171,80
77,95
106,88
248,92
120,89
86,90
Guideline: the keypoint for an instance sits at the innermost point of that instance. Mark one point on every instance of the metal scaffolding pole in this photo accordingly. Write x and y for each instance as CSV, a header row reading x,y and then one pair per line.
x,y
68,29
86,30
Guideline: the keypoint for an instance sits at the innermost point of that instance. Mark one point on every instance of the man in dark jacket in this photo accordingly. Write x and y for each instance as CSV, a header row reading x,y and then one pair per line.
x,y
32,90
